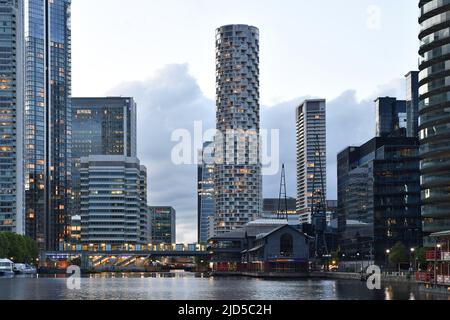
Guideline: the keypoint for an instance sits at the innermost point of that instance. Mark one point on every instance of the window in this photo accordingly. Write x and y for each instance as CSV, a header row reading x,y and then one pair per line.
x,y
286,245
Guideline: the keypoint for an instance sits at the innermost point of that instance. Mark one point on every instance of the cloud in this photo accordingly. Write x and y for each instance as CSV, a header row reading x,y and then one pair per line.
x,y
171,99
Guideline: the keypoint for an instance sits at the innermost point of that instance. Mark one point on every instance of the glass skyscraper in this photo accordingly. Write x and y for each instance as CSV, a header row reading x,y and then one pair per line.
x,y
412,103
100,126
379,198
163,222
434,113
237,178
47,120
206,203
390,116
12,217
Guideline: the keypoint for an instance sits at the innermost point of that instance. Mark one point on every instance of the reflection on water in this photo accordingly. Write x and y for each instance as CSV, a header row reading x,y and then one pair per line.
x,y
191,286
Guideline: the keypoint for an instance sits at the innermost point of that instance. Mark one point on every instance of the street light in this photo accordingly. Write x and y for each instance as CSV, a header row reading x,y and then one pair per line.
x,y
412,250
438,246
388,251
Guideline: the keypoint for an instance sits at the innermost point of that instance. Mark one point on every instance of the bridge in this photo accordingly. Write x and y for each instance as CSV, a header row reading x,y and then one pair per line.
x,y
113,257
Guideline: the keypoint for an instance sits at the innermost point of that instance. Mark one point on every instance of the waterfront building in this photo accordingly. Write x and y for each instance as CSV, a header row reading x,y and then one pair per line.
x,y
434,115
237,178
379,198
75,230
437,274
205,191
47,121
311,156
412,103
163,225
144,218
111,201
101,126
264,245
390,115
211,227
273,208
12,210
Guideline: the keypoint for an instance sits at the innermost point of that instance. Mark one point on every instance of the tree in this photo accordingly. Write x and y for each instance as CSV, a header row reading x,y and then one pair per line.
x,y
420,256
18,248
399,255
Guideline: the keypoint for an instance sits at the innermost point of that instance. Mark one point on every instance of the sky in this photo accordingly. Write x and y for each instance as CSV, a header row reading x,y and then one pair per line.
x,y
162,52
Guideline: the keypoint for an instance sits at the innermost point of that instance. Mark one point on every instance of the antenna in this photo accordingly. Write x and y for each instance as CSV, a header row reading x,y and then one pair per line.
x,y
283,196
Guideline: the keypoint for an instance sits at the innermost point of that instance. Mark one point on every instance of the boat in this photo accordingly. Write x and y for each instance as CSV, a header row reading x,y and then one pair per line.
x,y
6,267
20,268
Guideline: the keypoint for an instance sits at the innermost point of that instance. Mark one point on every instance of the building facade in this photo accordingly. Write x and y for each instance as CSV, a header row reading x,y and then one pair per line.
x,y
163,225
379,198
390,115
412,104
311,156
237,178
47,121
111,201
100,126
434,114
206,200
12,210
274,208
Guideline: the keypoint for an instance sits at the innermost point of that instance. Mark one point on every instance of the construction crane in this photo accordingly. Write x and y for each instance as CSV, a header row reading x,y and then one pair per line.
x,y
282,199
318,207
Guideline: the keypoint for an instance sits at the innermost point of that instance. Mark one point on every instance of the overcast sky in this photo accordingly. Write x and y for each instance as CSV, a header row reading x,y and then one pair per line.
x,y
162,53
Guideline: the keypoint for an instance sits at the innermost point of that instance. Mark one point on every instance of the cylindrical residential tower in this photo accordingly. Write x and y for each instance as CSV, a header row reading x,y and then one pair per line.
x,y
434,113
238,178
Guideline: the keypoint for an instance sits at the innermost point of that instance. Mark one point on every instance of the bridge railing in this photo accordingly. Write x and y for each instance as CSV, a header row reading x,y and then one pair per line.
x,y
161,247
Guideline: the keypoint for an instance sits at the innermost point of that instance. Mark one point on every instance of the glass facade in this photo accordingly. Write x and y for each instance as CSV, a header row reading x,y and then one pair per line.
x,y
11,116
391,115
47,121
163,225
206,202
434,114
379,198
412,103
100,126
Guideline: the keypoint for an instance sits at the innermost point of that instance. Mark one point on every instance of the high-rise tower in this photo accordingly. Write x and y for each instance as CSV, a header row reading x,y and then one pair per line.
x,y
12,217
434,114
47,120
311,156
238,178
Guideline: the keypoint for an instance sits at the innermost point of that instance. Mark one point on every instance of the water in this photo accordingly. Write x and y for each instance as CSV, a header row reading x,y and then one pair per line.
x,y
188,286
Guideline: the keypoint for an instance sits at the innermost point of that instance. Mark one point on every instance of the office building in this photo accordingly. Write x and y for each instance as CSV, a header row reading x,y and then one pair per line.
x,y
111,201
311,156
434,115
237,179
274,208
206,201
163,225
145,218
412,104
47,121
100,126
390,115
12,210
379,198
